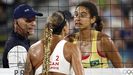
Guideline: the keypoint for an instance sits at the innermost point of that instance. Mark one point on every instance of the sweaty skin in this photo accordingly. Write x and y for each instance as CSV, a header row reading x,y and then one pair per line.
x,y
71,54
105,47
111,51
84,21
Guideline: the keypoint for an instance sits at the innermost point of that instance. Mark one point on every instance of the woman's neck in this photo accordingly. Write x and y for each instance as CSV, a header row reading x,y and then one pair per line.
x,y
85,35
57,38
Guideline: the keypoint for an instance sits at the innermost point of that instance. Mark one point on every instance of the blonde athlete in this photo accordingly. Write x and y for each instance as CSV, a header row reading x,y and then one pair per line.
x,y
97,48
63,55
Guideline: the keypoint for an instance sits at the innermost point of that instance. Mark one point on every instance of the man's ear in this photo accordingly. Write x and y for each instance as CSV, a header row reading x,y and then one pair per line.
x,y
15,21
93,20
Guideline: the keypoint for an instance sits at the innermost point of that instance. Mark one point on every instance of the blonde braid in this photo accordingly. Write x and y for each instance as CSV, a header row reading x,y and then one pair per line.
x,y
47,44
53,21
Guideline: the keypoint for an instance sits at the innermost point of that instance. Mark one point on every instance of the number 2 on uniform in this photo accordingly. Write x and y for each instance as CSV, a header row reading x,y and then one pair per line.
x,y
57,57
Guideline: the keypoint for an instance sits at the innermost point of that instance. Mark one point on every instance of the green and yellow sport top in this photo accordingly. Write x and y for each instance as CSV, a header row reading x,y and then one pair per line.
x,y
94,60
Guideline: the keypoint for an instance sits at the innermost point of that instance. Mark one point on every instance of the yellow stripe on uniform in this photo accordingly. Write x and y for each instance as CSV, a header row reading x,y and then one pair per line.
x,y
94,60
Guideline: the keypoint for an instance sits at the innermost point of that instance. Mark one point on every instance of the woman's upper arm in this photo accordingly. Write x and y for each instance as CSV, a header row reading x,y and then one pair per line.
x,y
112,52
76,60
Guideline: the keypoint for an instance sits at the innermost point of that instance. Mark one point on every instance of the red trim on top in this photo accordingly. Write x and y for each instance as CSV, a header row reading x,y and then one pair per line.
x,y
85,57
102,54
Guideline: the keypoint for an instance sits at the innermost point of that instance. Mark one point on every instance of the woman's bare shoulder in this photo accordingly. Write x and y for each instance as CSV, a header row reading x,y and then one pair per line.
x,y
71,47
106,41
103,37
36,46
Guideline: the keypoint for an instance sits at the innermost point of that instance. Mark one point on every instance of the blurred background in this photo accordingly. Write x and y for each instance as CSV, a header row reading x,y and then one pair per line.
x,y
117,16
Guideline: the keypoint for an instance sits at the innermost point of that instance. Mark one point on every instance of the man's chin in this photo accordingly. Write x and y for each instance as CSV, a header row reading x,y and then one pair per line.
x,y
30,33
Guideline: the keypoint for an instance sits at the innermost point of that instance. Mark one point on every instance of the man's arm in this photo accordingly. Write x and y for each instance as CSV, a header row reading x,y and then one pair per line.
x,y
76,60
112,52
